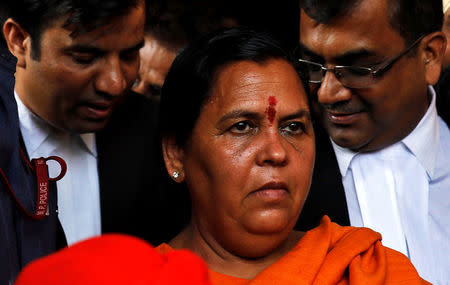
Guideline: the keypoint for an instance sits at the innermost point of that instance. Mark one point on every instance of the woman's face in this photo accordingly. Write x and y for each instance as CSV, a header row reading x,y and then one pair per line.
x,y
249,160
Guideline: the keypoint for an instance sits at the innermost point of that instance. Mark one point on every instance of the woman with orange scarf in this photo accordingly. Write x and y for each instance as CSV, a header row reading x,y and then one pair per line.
x,y
237,131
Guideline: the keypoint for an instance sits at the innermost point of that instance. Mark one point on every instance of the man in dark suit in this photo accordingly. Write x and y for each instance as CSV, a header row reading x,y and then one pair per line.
x,y
24,236
383,152
76,63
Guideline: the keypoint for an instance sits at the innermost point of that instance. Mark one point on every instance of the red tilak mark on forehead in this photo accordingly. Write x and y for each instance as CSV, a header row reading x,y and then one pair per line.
x,y
270,111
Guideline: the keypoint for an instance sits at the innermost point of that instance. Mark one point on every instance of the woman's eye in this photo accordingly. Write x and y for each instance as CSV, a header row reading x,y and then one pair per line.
x,y
293,128
241,127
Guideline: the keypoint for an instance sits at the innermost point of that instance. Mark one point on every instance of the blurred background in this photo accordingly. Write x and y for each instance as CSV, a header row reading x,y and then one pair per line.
x,y
280,18
171,24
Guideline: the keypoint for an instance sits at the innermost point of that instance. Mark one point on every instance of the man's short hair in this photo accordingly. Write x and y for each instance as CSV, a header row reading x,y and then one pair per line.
x,y
410,18
82,15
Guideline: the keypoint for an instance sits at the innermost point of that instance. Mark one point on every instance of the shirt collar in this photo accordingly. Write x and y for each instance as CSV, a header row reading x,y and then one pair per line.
x,y
36,131
89,143
423,141
344,156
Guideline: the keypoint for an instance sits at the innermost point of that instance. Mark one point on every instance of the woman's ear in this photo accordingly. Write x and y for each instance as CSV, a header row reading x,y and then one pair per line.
x,y
18,41
173,158
435,44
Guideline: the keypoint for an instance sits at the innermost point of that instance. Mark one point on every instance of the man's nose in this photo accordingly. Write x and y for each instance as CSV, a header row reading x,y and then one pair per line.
x,y
331,90
111,78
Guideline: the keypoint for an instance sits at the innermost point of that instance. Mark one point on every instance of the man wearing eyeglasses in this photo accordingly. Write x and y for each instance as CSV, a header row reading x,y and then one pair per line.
x,y
384,160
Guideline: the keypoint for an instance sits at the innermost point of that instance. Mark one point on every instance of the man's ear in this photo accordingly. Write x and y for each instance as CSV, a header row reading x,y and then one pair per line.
x,y
173,158
18,41
433,56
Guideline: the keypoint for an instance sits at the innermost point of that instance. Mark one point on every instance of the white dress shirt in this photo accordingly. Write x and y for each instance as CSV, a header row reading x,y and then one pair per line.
x,y
403,192
78,190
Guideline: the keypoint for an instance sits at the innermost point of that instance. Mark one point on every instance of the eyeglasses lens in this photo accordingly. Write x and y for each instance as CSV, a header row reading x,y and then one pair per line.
x,y
354,77
349,76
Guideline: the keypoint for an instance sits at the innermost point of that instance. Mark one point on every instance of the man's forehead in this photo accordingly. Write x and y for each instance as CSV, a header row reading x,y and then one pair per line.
x,y
130,24
372,12
367,29
127,20
327,41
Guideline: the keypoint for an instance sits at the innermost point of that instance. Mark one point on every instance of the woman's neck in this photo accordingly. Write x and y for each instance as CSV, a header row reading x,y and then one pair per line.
x,y
221,260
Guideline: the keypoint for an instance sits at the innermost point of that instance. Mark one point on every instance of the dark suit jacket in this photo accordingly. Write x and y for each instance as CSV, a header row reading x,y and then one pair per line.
x,y
326,195
129,168
443,95
130,201
21,238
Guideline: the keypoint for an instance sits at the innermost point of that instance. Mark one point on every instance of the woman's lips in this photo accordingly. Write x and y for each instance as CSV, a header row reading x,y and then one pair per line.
x,y
271,194
272,191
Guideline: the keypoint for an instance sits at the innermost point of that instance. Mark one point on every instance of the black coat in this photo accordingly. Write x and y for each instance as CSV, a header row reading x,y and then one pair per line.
x,y
326,195
21,238
443,95
130,169
131,202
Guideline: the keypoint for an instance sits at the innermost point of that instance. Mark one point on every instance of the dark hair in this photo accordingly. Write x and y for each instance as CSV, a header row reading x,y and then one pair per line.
x,y
443,95
164,23
83,15
410,18
4,12
191,76
174,23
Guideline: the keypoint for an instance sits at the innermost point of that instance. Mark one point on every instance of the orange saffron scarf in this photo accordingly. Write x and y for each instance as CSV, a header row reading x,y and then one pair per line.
x,y
331,254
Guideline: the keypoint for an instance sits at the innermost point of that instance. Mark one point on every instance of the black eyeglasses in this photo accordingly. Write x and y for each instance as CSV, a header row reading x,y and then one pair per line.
x,y
353,76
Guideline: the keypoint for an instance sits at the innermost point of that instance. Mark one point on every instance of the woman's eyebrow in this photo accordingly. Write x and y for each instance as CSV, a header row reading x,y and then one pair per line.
x,y
302,113
241,114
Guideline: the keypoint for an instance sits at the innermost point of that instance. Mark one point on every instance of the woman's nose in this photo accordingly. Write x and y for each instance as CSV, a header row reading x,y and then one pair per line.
x,y
272,150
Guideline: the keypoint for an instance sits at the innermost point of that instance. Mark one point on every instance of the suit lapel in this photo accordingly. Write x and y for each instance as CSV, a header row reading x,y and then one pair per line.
x,y
326,195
